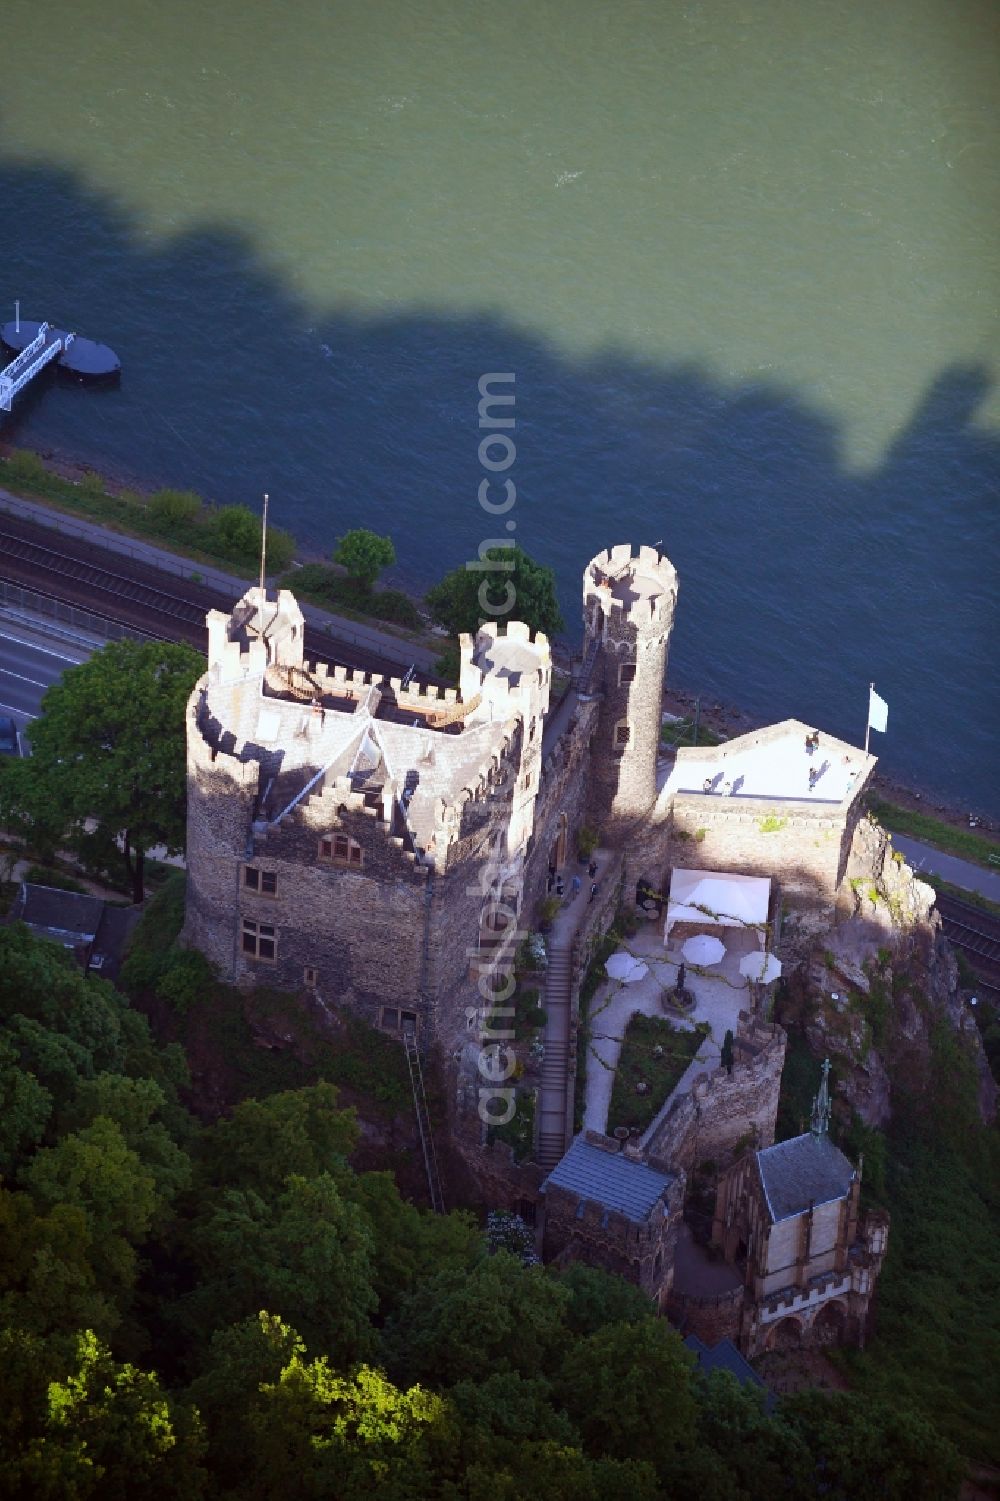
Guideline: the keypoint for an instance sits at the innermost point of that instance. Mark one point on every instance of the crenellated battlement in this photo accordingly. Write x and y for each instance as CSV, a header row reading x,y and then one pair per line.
x,y
257,634
622,588
505,673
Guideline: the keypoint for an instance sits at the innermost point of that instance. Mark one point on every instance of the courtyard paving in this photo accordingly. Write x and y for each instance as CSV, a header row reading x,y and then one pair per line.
x,y
720,993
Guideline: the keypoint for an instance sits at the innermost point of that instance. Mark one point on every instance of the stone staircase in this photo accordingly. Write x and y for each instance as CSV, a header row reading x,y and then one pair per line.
x,y
553,1135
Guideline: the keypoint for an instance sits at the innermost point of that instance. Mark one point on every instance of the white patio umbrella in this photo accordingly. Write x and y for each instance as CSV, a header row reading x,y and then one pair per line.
x,y
620,965
703,949
760,967
638,972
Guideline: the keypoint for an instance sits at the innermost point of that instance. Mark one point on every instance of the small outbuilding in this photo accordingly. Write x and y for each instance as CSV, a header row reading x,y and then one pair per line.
x,y
91,928
605,1207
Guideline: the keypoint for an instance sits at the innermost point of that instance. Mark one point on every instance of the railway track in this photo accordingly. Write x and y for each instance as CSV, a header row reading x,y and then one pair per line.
x,y
31,557
976,933
135,594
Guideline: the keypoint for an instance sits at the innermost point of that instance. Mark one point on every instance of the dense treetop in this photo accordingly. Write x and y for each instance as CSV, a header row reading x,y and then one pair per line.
x,y
505,584
231,1310
109,746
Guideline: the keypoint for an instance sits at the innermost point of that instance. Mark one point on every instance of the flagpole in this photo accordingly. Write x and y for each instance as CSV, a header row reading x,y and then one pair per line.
x,y
868,724
263,553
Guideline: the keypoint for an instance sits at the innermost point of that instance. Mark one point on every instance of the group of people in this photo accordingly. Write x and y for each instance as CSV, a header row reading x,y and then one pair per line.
x,y
556,883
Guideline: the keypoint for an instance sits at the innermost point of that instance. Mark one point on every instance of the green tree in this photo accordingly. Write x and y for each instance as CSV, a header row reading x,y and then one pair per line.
x,y
174,511
28,808
553,1472
45,1001
137,1107
95,1171
25,1107
463,1325
239,1361
305,1254
299,1132
628,1388
741,1451
350,1436
599,1298
364,554
235,532
103,1430
510,586
409,1244
867,1450
109,745
47,1281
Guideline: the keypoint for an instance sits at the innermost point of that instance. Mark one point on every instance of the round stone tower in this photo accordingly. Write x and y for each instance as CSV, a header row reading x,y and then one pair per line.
x,y
628,613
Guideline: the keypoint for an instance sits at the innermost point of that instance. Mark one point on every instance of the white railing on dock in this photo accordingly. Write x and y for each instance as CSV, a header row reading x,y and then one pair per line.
x,y
26,365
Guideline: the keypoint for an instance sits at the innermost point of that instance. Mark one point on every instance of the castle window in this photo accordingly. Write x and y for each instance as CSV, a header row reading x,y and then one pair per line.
x,y
264,881
394,1020
341,850
622,735
626,673
310,976
260,941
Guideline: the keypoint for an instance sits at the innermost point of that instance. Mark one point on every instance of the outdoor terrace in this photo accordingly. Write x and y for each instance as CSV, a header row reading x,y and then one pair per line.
x,y
785,762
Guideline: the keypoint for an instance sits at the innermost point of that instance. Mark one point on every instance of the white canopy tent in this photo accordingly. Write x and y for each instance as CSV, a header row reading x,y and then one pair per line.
x,y
714,898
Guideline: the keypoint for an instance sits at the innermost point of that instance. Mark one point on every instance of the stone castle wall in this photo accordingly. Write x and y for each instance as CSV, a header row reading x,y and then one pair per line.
x,y
719,1316
562,790
723,1111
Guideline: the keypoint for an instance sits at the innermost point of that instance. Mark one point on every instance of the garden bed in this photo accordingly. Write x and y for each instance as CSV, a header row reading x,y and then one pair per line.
x,y
639,1064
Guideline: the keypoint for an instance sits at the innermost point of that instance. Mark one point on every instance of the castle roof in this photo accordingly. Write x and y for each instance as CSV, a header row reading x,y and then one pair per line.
x,y
724,1356
68,917
806,1170
774,765
608,1178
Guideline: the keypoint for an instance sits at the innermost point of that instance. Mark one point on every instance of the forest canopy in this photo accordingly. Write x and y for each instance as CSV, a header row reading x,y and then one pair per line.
x,y
228,1308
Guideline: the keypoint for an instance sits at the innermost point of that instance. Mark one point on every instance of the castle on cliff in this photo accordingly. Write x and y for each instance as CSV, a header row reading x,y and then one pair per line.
x,y
386,847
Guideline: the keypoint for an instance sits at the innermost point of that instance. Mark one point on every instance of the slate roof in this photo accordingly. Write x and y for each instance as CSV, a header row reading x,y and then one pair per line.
x,y
608,1178
66,916
725,1357
806,1169
94,930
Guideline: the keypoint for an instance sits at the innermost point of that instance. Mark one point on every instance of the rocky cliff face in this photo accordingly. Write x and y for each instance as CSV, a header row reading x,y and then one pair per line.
x,y
878,986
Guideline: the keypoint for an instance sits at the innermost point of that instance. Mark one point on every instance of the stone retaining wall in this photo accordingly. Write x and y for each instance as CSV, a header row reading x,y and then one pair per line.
x,y
722,1111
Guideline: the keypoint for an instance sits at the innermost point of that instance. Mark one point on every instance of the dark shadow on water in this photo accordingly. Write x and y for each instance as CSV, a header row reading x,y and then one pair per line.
x,y
800,581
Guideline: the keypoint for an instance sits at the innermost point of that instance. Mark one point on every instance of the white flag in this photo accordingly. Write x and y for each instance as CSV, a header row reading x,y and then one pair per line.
x,y
878,711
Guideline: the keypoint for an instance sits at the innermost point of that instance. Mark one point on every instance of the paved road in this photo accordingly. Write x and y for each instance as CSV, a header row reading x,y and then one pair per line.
x,y
949,867
30,661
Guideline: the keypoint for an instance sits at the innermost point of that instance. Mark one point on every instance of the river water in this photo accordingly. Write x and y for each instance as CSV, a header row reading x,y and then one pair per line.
x,y
741,257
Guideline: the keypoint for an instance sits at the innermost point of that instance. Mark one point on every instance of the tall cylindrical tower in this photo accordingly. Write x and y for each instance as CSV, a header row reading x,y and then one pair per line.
x,y
628,613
